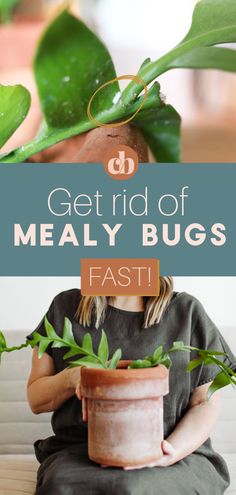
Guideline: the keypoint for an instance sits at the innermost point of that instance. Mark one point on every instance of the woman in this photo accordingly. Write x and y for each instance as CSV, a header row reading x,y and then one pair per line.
x,y
138,325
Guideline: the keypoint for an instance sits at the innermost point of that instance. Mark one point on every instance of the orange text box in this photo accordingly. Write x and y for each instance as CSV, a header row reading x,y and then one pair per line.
x,y
120,277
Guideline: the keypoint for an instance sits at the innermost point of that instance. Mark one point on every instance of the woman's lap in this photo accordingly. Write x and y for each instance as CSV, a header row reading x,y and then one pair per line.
x,y
70,472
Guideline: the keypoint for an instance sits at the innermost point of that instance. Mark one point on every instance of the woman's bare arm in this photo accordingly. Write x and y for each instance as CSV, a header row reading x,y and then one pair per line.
x,y
195,427
193,430
48,390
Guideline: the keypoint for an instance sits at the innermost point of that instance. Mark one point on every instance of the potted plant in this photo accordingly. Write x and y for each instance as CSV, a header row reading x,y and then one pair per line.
x,y
72,64
119,395
21,23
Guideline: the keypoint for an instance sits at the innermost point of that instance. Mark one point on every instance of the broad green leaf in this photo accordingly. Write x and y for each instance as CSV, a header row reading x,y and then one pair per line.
x,y
43,345
207,58
103,351
68,332
115,359
87,343
50,331
214,22
14,106
194,364
161,130
220,381
70,65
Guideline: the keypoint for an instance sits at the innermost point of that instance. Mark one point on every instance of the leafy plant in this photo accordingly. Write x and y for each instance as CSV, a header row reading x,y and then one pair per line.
x,y
71,64
100,360
226,375
90,358
4,347
14,106
6,9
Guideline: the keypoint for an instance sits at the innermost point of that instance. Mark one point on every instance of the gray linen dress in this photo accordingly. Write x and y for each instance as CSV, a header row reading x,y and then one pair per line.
x,y
65,467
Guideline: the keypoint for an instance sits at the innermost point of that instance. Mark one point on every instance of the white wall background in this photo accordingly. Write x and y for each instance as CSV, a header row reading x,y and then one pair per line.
x,y
24,300
134,30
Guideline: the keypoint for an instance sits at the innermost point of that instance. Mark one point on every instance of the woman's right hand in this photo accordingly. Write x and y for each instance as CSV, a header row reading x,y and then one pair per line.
x,y
74,377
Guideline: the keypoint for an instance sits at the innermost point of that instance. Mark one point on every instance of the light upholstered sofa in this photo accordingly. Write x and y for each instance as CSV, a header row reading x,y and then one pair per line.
x,y
19,428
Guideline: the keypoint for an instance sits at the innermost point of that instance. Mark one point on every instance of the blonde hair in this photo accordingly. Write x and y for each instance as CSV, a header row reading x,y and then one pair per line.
x,y
92,309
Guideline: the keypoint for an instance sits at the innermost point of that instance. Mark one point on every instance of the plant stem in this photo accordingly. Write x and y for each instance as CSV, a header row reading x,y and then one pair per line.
x,y
15,348
152,70
54,136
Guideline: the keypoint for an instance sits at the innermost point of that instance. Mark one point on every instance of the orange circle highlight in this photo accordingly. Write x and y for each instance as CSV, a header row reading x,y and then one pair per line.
x,y
138,80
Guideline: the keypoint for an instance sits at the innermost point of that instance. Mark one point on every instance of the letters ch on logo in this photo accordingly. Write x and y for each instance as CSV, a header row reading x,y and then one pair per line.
x,y
121,162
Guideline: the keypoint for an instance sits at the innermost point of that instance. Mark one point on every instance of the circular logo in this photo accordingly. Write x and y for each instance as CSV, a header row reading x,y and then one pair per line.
x,y
121,162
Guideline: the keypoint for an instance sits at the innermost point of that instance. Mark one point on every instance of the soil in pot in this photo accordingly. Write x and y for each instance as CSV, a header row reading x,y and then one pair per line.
x,y
124,408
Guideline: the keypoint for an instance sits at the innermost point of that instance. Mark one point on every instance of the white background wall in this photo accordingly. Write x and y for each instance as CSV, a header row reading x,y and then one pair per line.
x,y
25,300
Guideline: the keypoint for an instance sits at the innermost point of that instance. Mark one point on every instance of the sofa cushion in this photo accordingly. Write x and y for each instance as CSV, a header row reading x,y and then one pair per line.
x,y
18,474
19,427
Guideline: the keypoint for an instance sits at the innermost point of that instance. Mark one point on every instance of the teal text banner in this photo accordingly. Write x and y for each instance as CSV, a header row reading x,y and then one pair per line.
x,y
52,215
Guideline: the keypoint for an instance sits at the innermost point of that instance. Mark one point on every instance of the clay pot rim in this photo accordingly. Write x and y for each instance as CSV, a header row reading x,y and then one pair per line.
x,y
123,372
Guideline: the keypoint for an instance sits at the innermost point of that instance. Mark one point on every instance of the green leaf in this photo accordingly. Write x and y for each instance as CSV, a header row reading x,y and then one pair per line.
x,y
6,9
161,130
51,334
3,342
43,345
179,344
141,363
35,339
115,359
70,65
214,22
87,362
71,353
157,353
14,106
87,343
58,345
194,364
103,351
68,333
165,360
207,58
211,352
221,380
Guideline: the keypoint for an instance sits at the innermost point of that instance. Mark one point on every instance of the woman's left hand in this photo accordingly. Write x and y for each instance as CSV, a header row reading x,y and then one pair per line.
x,y
168,458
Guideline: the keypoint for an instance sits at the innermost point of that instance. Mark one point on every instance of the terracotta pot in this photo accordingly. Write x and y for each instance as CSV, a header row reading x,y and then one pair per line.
x,y
124,409
20,40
